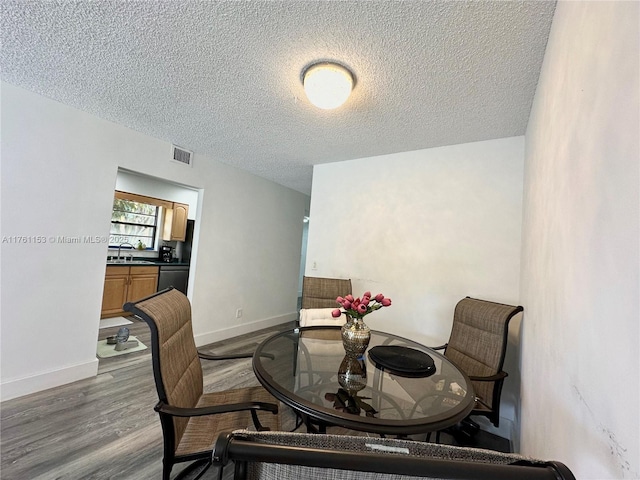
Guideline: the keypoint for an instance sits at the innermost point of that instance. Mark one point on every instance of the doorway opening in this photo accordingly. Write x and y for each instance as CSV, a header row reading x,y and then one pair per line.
x,y
138,270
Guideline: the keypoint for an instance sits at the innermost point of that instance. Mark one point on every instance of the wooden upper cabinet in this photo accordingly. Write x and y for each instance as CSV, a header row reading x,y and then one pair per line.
x,y
175,222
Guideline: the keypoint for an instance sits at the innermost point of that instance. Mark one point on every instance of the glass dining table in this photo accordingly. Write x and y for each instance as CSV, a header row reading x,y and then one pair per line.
x,y
307,369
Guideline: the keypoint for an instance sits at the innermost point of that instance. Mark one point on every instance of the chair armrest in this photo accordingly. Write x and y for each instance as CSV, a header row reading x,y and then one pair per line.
x,y
162,407
206,356
490,378
231,356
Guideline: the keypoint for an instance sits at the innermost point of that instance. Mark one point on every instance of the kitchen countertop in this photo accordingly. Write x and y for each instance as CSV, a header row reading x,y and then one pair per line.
x,y
148,261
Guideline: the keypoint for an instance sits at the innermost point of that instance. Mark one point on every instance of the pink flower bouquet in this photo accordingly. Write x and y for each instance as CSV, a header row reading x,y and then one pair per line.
x,y
359,307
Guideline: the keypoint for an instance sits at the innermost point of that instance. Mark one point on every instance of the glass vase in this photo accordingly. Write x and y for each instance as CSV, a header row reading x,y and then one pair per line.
x,y
355,336
352,375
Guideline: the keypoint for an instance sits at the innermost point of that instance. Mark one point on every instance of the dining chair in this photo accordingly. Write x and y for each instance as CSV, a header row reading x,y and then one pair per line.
x,y
477,345
190,418
316,343
318,301
285,456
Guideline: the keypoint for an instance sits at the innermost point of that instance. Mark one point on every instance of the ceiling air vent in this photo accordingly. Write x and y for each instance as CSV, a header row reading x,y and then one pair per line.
x,y
180,155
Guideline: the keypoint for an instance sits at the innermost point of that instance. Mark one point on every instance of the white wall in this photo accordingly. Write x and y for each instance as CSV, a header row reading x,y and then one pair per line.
x,y
59,169
426,228
580,262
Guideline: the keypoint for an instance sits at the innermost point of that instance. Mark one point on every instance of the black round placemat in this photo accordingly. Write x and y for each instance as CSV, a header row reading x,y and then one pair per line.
x,y
403,361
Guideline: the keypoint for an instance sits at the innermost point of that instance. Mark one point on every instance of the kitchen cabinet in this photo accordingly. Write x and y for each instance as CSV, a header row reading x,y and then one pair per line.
x,y
124,284
115,291
175,222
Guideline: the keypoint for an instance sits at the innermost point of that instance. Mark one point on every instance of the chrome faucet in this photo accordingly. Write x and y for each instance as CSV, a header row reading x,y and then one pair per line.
x,y
120,246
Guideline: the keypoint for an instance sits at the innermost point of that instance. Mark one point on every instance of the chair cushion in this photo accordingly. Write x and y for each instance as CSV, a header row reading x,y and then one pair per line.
x,y
201,432
313,317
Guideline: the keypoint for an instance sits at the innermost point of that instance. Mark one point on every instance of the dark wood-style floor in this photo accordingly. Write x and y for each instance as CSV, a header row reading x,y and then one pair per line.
x,y
105,427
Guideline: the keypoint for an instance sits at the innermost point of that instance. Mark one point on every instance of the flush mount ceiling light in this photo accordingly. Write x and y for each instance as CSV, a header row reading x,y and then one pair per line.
x,y
327,85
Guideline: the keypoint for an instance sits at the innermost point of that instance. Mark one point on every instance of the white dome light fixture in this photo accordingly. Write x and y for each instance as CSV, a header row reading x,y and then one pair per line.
x,y
327,85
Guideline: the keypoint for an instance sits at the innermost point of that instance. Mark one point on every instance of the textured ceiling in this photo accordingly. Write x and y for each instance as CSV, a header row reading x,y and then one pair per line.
x,y
222,78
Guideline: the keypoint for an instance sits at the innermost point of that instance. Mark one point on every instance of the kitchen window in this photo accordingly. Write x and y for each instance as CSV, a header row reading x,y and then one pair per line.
x,y
134,220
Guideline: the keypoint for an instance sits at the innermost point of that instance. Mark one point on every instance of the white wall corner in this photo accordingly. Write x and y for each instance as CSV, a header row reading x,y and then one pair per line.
x,y
20,387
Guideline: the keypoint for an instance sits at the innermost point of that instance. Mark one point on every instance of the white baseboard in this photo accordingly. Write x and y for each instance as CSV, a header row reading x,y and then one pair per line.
x,y
233,331
24,386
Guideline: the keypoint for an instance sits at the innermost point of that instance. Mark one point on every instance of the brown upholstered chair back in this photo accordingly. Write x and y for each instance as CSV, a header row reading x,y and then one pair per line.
x,y
176,366
478,341
322,292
